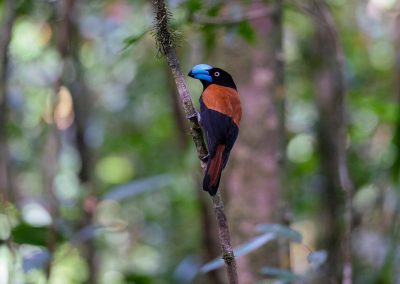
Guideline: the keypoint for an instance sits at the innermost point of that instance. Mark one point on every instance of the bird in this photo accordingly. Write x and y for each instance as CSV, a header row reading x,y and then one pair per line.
x,y
220,115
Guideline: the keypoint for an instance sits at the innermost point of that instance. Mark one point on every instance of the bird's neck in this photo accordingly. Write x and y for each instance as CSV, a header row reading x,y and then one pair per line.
x,y
205,84
230,84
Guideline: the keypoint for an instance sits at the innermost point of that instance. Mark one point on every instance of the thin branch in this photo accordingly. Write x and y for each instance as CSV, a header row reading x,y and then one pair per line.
x,y
231,20
210,244
225,239
165,42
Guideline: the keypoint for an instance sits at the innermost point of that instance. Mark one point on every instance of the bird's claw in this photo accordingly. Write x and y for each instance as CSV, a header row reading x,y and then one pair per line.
x,y
194,117
205,158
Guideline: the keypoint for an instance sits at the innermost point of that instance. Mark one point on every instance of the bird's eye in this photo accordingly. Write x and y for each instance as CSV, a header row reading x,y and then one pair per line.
x,y
216,74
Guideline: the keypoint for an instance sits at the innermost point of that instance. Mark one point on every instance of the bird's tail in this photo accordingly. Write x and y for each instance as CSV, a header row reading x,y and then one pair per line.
x,y
213,171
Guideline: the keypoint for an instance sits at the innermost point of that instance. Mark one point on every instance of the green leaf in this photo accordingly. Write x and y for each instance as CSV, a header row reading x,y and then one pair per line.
x,y
246,31
317,258
194,5
138,279
214,10
209,37
24,7
281,274
27,234
133,39
281,231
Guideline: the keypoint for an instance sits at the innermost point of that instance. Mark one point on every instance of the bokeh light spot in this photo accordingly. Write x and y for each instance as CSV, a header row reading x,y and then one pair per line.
x,y
300,148
5,228
383,4
36,215
365,197
382,55
64,110
146,259
28,40
4,258
365,122
114,169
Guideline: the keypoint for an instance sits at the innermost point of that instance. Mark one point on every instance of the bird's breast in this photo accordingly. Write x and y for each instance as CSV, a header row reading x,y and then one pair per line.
x,y
224,100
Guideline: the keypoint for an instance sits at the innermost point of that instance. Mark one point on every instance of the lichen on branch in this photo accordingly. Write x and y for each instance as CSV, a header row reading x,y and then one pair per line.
x,y
162,31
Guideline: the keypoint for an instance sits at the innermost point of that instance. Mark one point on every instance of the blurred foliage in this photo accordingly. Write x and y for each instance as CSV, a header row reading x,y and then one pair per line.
x,y
144,236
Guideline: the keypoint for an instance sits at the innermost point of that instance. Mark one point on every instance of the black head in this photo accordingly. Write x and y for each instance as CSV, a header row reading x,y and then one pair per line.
x,y
211,75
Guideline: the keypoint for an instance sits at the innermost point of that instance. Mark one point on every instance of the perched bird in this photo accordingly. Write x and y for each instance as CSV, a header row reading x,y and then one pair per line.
x,y
220,114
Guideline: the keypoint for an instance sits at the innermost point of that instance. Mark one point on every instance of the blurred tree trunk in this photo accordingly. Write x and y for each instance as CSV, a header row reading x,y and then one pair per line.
x,y
387,273
7,193
49,167
330,92
396,138
68,45
254,174
5,38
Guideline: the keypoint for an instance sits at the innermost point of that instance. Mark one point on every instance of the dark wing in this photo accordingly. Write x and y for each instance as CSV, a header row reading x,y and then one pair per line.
x,y
216,127
221,133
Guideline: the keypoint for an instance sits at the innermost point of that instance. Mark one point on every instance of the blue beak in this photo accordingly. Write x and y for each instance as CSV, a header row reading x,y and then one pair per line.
x,y
201,72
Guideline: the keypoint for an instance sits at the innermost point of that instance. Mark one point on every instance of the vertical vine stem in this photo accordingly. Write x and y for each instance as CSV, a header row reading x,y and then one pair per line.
x,y
165,43
332,68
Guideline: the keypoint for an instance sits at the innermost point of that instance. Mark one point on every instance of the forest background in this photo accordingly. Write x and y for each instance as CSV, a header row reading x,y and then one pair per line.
x,y
99,178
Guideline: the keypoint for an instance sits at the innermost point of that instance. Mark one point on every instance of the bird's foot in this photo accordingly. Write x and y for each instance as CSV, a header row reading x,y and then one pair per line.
x,y
194,117
205,158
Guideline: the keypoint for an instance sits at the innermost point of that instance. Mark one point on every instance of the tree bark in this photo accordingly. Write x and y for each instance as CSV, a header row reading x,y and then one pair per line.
x,y
330,91
387,272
